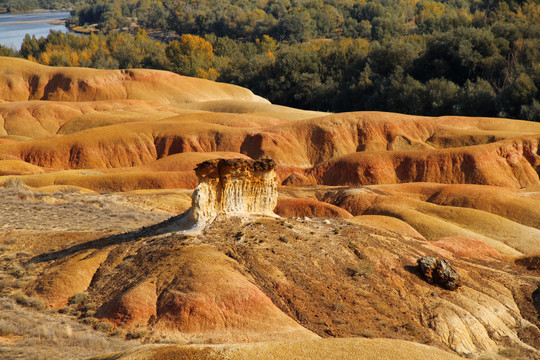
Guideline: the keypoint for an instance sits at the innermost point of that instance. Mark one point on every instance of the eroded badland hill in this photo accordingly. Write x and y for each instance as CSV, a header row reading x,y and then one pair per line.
x,y
107,248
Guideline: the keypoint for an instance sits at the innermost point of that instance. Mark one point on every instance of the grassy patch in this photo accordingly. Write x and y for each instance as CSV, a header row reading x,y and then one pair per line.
x,y
28,301
41,335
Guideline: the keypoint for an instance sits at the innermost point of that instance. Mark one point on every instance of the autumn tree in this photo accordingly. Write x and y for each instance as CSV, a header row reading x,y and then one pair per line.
x,y
191,56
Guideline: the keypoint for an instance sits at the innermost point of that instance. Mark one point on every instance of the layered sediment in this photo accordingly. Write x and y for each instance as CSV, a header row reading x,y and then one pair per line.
x,y
234,186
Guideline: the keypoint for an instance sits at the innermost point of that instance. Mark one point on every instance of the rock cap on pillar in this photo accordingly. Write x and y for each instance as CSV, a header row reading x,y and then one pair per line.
x,y
234,187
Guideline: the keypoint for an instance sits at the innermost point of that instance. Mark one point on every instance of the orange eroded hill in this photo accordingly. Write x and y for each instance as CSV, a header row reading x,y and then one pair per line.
x,y
133,144
509,222
331,276
21,80
507,163
17,167
43,119
345,149
171,172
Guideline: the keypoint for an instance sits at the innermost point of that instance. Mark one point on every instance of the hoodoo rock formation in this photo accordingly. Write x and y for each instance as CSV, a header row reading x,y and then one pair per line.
x,y
234,186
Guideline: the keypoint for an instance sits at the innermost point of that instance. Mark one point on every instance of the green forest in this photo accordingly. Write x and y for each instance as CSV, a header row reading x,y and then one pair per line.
x,y
428,57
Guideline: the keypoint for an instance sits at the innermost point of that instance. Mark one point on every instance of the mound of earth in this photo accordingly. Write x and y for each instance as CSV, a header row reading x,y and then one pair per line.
x,y
467,247
17,167
508,163
345,349
504,219
264,279
298,207
43,119
22,80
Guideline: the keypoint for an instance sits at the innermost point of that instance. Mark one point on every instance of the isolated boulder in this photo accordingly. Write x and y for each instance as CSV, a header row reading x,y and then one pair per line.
x,y
438,272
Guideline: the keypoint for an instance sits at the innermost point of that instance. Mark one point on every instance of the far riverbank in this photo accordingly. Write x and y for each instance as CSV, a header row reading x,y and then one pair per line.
x,y
15,26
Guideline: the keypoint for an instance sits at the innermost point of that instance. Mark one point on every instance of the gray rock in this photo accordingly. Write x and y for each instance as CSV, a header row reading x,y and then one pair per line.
x,y
438,272
427,264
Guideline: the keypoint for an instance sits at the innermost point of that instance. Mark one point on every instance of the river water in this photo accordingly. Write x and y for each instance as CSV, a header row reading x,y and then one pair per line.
x,y
13,27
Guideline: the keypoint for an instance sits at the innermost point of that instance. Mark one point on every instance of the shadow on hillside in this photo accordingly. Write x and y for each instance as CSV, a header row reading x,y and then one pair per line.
x,y
413,269
171,225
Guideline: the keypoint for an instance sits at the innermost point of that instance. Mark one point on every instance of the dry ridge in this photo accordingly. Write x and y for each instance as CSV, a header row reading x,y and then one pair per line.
x,y
327,150
339,349
262,279
21,80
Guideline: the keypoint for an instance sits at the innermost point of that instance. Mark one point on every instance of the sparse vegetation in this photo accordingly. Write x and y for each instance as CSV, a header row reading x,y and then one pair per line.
x,y
39,335
364,268
138,333
516,353
28,301
103,327
78,299
90,321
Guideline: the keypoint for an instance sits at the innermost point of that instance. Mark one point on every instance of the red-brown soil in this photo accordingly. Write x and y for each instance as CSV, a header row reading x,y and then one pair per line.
x,y
467,247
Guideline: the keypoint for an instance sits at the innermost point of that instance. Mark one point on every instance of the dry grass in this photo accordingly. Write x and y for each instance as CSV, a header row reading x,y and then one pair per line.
x,y
68,209
28,334
28,330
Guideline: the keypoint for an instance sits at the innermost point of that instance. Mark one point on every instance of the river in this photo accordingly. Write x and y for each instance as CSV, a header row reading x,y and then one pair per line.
x,y
13,27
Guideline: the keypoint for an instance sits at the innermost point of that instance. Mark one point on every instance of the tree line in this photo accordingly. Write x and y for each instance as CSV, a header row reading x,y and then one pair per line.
x,y
428,57
14,6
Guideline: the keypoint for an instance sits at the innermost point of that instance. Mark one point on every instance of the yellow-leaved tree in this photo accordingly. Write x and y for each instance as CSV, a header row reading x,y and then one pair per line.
x,y
192,56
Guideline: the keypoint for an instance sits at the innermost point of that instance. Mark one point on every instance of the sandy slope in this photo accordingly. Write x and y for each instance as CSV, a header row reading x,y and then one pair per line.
x,y
266,279
358,149
342,349
22,80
